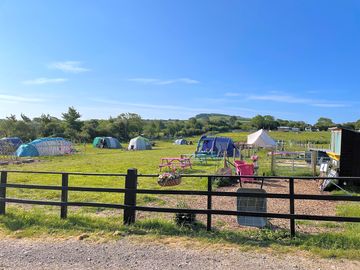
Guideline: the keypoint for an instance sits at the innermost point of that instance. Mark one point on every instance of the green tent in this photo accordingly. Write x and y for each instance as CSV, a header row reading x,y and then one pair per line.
x,y
106,142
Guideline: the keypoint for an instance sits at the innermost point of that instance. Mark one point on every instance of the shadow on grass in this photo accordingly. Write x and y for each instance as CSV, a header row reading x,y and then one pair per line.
x,y
259,238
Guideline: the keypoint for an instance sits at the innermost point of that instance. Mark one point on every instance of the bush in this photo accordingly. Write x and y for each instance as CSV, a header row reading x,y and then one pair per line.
x,y
224,181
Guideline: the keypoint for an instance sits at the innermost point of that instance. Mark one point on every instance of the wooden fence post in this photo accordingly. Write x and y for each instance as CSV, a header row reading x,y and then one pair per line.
x,y
272,163
3,182
292,206
314,162
64,195
130,196
209,203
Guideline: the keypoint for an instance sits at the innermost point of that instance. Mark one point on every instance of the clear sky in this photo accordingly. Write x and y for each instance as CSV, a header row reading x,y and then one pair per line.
x,y
295,60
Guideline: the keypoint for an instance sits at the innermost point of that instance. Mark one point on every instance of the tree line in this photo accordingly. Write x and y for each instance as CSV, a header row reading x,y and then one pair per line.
x,y
128,125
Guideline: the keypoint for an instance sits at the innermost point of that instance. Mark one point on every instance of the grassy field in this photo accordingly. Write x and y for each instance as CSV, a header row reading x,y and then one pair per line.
x,y
42,221
89,159
322,137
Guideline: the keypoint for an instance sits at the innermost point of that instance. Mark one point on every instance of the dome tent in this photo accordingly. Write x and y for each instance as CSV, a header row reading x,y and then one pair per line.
x,y
216,146
180,141
139,143
260,138
107,142
45,147
9,145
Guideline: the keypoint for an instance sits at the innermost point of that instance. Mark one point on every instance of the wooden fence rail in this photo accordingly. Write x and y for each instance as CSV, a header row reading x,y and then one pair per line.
x,y
130,191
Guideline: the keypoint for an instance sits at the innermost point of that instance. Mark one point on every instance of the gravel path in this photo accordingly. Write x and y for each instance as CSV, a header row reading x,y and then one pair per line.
x,y
127,254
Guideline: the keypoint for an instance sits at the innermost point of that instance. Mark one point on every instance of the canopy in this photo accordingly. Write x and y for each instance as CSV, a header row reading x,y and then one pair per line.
x,y
139,143
260,138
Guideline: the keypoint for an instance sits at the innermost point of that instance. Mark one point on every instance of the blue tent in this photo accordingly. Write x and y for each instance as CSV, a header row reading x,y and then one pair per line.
x,y
27,150
216,146
9,145
45,147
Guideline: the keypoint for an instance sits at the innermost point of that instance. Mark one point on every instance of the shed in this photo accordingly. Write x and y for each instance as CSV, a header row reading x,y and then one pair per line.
x,y
345,147
282,128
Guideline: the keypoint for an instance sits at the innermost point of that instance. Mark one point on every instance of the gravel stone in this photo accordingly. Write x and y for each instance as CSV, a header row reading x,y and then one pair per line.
x,y
127,254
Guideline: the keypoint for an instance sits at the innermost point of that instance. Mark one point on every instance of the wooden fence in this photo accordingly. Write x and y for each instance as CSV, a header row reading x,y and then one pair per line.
x,y
130,191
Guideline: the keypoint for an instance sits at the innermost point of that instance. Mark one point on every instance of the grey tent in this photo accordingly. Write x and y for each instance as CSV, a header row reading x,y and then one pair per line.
x,y
180,141
139,143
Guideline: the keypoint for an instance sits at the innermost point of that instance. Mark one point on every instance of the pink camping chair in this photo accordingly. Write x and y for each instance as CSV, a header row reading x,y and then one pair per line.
x,y
244,169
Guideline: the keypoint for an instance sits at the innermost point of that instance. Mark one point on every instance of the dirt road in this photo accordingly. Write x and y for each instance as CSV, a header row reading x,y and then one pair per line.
x,y
128,254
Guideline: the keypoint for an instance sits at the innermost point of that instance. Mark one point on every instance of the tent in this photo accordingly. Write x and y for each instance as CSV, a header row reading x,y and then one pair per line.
x,y
216,146
139,143
260,138
9,145
180,141
45,147
106,142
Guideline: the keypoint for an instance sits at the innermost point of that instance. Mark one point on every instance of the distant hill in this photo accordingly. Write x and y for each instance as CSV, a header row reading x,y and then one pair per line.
x,y
213,116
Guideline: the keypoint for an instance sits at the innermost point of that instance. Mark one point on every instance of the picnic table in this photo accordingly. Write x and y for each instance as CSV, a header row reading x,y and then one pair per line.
x,y
175,162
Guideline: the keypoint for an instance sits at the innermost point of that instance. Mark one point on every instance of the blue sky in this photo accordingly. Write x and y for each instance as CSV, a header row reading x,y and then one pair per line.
x,y
297,60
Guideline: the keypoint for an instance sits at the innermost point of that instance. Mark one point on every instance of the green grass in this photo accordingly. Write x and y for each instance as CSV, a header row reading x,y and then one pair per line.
x,y
90,159
322,137
344,242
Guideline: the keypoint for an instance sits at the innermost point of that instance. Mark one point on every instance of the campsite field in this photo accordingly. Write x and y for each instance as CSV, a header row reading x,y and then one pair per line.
x,y
332,240
89,159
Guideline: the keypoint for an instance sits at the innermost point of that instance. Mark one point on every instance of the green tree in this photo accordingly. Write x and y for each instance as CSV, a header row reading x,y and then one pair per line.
x,y
126,125
270,122
89,130
258,122
349,125
159,127
72,119
72,123
25,118
357,125
49,126
324,123
11,127
150,129
232,122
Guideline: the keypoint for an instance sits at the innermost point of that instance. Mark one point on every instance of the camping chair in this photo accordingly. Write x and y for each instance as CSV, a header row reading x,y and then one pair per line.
x,y
244,169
